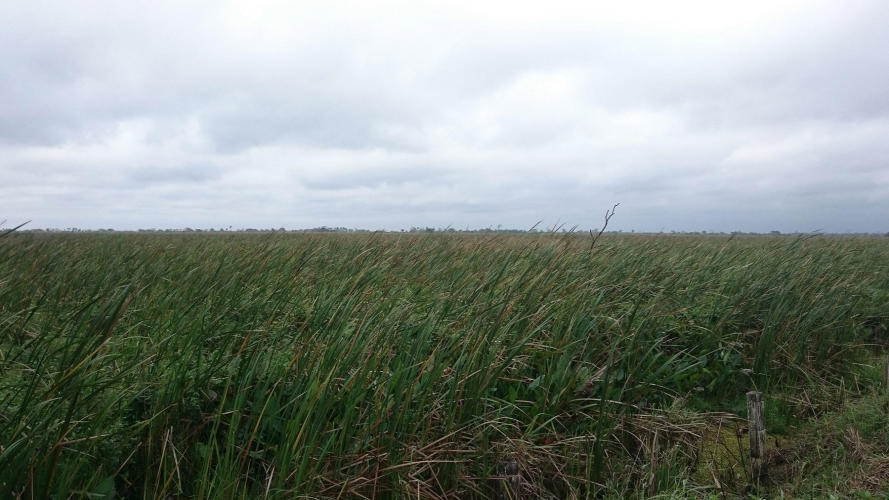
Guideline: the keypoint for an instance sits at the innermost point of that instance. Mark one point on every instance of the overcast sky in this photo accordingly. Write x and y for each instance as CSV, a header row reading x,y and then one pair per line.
x,y
706,115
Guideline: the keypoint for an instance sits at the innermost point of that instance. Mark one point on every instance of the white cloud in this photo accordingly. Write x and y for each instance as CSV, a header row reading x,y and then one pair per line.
x,y
694,115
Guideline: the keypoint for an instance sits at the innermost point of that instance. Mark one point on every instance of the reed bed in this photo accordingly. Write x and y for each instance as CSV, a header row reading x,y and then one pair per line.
x,y
402,365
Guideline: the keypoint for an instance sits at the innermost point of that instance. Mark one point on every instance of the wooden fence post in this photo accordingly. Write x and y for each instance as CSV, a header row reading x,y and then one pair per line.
x,y
757,428
509,480
886,374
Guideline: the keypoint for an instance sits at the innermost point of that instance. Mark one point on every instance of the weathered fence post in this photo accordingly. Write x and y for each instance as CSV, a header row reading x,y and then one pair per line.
x,y
757,428
886,374
509,480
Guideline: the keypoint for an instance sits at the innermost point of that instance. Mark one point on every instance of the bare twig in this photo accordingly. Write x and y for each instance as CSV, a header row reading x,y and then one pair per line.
x,y
608,215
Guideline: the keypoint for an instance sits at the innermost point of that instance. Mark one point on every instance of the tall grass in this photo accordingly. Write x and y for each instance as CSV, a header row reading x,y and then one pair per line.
x,y
226,365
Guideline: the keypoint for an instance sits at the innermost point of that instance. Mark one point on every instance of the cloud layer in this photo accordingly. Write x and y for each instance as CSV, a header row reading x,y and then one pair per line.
x,y
693,115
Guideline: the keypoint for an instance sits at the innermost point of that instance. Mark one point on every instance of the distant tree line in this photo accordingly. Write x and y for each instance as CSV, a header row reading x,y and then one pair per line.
x,y
416,229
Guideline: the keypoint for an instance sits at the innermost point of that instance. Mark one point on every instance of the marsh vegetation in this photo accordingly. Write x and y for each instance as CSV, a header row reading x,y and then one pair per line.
x,y
396,365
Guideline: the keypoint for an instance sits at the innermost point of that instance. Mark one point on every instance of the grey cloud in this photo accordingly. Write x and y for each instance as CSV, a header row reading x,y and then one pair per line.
x,y
186,174
380,176
768,116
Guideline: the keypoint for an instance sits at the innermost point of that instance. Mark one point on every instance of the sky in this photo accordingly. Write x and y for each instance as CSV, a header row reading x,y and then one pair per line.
x,y
693,115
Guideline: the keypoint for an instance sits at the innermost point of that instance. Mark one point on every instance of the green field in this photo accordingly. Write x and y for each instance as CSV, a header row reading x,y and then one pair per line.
x,y
401,365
